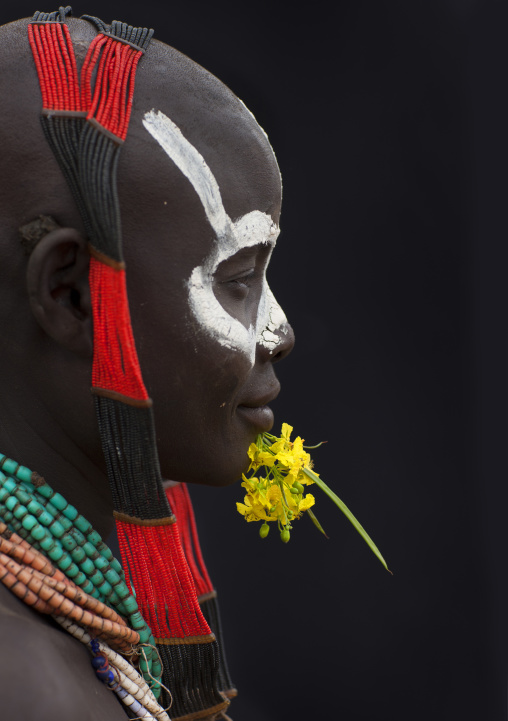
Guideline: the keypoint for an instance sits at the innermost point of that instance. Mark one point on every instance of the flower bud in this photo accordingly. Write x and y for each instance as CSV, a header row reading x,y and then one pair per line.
x,y
263,531
284,535
298,487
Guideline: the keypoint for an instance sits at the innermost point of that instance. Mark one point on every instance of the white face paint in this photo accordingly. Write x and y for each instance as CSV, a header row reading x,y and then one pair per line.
x,y
252,229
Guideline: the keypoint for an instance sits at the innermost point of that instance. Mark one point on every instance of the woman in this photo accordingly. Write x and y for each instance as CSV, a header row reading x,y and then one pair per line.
x,y
194,222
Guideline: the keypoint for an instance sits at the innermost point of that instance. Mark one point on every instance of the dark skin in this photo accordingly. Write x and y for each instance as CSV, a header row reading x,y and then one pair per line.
x,y
47,420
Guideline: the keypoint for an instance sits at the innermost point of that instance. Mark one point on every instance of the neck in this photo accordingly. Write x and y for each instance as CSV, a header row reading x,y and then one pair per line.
x,y
31,434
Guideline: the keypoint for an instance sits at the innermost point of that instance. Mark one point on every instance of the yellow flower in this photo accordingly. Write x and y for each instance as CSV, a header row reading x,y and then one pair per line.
x,y
307,502
278,496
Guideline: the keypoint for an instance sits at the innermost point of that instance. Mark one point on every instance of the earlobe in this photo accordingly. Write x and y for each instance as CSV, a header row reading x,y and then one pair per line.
x,y
58,289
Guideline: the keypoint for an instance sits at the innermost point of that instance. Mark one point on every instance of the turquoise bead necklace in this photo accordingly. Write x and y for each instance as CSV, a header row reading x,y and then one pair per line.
x,y
54,527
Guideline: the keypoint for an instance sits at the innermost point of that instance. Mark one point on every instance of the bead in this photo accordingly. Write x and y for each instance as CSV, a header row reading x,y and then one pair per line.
x,y
20,512
101,563
65,563
105,588
9,485
57,529
46,505
70,512
82,524
87,587
38,532
56,553
58,501
99,661
22,496
94,537
88,567
45,491
11,503
112,576
90,550
24,474
72,571
78,555
29,522
124,594
137,621
9,466
145,634
79,578
97,578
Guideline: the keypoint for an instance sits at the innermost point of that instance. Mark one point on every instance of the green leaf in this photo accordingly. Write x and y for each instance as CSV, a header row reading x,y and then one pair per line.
x,y
345,510
316,522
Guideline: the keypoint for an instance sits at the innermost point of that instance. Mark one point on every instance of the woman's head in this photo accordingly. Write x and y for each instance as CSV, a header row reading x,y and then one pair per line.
x,y
200,201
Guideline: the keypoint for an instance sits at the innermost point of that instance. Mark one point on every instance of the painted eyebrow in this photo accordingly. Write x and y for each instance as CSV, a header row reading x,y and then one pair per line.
x,y
192,164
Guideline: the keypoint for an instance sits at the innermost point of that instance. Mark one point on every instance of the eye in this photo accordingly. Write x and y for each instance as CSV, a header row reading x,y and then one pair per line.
x,y
241,283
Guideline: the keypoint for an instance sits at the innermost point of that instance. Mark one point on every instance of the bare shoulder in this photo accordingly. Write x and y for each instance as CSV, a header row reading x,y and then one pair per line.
x,y
45,673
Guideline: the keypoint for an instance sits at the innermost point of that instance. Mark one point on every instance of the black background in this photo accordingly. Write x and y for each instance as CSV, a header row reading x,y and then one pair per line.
x,y
389,121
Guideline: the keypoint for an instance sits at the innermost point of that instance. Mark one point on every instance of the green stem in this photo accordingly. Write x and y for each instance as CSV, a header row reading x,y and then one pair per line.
x,y
345,510
316,522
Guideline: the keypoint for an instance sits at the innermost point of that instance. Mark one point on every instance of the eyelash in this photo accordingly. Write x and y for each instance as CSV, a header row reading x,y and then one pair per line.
x,y
243,280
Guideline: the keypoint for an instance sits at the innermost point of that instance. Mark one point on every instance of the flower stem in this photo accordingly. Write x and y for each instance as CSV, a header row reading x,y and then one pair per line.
x,y
345,510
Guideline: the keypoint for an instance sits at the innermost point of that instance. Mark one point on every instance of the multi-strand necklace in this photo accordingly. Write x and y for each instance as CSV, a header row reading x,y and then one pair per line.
x,y
55,561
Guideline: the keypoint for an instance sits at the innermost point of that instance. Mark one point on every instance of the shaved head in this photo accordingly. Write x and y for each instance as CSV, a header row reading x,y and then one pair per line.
x,y
200,382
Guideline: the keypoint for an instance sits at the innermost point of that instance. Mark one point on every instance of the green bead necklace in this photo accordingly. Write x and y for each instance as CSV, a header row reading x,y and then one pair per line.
x,y
55,528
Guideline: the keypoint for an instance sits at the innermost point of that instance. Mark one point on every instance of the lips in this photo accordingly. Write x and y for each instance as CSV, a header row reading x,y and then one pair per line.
x,y
256,410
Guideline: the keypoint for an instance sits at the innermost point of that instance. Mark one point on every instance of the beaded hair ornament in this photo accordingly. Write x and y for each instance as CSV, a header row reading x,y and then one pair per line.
x,y
85,119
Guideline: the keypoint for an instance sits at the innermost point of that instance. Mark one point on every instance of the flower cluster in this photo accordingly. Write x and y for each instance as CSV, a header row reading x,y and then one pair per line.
x,y
280,494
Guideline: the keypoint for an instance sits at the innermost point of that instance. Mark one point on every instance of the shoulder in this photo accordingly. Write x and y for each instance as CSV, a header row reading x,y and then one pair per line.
x,y
45,673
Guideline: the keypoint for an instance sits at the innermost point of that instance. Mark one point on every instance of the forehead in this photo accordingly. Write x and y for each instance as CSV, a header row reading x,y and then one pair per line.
x,y
214,122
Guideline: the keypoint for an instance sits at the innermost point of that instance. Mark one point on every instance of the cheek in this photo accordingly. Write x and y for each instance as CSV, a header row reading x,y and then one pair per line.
x,y
215,321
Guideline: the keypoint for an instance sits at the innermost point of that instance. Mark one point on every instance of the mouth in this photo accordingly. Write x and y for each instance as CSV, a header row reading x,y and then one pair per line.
x,y
257,412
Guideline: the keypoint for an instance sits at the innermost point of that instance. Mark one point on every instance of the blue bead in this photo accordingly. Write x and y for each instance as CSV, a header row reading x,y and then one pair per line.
x,y
99,661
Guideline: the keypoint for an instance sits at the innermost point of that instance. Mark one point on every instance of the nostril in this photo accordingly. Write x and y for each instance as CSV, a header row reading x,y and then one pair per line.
x,y
286,344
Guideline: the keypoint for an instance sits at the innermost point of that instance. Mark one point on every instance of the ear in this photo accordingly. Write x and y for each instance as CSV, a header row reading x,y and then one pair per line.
x,y
58,289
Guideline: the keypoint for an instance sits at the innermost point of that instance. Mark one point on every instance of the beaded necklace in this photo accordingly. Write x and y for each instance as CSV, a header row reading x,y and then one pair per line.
x,y
54,528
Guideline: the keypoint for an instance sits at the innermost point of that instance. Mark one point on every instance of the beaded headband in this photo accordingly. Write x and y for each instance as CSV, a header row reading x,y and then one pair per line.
x,y
85,120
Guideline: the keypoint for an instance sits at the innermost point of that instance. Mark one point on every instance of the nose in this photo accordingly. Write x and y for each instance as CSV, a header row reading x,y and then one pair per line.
x,y
285,345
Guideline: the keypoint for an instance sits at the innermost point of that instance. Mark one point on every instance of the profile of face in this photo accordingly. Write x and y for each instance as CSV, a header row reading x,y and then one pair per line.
x,y
207,325
200,198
